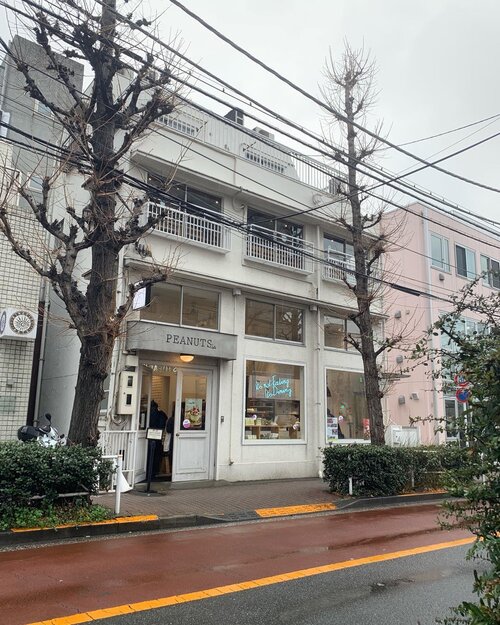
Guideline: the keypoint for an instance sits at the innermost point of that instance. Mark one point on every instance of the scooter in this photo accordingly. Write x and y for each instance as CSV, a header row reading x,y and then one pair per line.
x,y
47,435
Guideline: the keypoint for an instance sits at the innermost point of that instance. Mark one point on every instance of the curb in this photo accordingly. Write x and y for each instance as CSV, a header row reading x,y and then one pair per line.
x,y
127,525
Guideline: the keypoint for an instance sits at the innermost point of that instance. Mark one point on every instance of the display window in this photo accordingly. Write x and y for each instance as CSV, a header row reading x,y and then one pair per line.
x,y
346,410
274,401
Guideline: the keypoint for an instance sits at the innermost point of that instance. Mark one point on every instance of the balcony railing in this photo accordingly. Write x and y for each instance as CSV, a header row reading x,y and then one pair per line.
x,y
193,228
339,267
282,250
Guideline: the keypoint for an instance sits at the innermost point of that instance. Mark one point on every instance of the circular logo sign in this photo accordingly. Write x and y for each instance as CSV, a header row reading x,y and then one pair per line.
x,y
186,424
22,322
3,322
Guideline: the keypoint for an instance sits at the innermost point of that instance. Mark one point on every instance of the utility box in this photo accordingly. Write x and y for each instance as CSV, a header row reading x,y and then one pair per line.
x,y
127,394
402,436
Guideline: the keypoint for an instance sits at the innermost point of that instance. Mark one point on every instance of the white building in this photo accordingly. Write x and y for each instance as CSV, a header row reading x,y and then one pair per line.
x,y
244,343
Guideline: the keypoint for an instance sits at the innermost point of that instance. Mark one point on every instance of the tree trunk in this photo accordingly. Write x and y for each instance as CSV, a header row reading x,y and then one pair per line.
x,y
95,357
362,289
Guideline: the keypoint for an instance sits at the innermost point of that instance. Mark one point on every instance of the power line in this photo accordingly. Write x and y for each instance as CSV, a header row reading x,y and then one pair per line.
x,y
269,111
322,104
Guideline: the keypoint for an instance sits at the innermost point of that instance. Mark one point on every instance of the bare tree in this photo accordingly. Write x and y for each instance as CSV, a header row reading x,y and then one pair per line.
x,y
126,95
349,90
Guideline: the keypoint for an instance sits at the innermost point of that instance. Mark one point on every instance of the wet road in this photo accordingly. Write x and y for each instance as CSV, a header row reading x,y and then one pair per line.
x,y
66,579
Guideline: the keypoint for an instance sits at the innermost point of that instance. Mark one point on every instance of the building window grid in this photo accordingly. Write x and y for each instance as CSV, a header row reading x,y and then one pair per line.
x,y
277,322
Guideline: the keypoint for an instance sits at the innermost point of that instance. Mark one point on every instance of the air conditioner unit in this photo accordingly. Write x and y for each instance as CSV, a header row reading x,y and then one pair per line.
x,y
18,323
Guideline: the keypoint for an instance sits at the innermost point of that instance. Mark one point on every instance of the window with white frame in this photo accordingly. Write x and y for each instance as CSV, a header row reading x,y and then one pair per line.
x,y
274,401
337,330
280,322
440,253
491,272
42,108
465,262
455,419
35,183
346,411
182,305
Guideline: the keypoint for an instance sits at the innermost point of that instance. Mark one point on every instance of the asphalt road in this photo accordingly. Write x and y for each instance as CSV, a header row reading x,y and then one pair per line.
x,y
407,591
300,566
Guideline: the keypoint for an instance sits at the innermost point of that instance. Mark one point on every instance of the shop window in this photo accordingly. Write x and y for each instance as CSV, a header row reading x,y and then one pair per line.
x,y
346,411
274,401
466,262
279,322
185,306
440,252
336,331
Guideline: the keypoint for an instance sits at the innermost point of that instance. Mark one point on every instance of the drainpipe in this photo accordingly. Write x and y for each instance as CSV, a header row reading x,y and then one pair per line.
x,y
427,260
39,355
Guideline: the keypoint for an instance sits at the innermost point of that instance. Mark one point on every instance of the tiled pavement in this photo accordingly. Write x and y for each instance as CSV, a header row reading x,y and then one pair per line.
x,y
219,498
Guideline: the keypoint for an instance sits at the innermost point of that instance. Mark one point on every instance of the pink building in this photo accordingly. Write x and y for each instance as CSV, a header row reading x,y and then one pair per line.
x,y
434,253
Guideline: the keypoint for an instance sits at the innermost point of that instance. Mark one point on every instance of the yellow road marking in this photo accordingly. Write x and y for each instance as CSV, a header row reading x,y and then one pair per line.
x,y
88,617
318,507
123,519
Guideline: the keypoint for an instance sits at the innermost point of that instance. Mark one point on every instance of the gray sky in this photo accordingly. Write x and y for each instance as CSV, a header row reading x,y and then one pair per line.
x,y
437,70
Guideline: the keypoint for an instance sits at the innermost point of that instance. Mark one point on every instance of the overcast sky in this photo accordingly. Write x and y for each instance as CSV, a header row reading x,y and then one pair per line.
x,y
438,69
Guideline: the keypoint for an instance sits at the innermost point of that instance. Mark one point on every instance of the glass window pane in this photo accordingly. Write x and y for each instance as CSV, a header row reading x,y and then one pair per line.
x,y
461,262
347,415
165,304
274,401
260,219
289,323
334,329
259,319
291,229
205,200
471,264
352,330
200,308
194,399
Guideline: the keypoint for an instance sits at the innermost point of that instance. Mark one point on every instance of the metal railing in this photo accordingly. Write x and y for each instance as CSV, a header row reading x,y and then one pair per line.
x,y
193,228
120,443
255,147
268,246
339,267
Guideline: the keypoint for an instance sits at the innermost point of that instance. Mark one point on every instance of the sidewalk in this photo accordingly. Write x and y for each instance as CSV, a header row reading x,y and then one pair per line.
x,y
205,503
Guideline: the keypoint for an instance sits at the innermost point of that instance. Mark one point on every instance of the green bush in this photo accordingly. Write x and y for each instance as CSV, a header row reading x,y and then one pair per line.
x,y
385,471
33,477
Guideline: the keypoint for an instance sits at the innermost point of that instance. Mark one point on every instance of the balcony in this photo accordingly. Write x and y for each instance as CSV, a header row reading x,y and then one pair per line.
x,y
281,250
191,228
339,268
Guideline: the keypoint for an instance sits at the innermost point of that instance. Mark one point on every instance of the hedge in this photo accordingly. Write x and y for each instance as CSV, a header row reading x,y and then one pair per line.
x,y
386,471
33,475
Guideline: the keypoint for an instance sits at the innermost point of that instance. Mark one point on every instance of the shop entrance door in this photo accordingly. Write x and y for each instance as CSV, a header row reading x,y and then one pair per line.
x,y
141,448
193,425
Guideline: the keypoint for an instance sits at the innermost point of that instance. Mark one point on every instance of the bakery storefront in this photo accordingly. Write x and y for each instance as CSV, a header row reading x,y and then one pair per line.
x,y
179,369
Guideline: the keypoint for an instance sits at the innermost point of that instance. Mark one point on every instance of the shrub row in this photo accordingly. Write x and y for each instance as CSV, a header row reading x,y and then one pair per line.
x,y
35,476
386,471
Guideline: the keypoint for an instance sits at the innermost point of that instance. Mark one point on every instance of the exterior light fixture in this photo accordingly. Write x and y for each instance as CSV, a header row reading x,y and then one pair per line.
x,y
186,357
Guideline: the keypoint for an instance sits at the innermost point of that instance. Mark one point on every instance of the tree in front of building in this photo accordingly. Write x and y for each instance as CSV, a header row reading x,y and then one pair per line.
x,y
473,360
129,90
349,93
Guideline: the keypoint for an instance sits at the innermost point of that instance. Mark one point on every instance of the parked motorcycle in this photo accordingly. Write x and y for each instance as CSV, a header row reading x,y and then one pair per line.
x,y
47,435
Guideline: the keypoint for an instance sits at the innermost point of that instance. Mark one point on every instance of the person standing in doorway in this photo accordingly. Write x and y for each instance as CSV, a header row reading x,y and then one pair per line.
x,y
157,421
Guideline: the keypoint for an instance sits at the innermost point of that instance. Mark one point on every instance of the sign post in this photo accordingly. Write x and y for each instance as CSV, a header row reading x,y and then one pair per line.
x,y
153,435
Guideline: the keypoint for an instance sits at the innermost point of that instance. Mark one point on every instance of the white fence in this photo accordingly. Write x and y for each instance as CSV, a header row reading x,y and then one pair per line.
x,y
268,246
